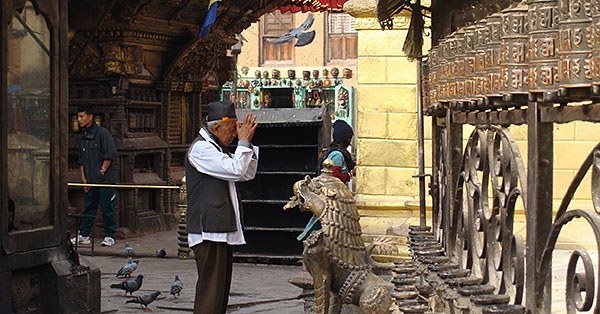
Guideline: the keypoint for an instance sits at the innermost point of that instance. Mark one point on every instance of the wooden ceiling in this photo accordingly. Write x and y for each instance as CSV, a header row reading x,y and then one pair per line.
x,y
165,16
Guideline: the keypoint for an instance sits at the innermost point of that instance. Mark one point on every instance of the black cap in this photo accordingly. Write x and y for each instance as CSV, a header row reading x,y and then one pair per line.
x,y
341,130
218,110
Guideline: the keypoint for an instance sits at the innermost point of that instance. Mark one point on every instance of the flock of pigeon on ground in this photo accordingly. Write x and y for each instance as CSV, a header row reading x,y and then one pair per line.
x,y
132,285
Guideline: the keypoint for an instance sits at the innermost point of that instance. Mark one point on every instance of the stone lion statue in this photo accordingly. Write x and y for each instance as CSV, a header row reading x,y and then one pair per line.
x,y
335,255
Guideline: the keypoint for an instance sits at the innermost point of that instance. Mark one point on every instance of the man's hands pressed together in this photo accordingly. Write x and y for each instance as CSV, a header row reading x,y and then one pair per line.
x,y
246,129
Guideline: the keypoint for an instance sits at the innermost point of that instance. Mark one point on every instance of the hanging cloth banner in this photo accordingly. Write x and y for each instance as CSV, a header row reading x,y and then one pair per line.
x,y
211,16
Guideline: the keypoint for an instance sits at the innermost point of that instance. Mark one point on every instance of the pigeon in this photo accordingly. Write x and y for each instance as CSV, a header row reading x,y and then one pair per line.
x,y
145,299
304,38
237,48
176,287
128,250
160,253
128,268
73,256
130,286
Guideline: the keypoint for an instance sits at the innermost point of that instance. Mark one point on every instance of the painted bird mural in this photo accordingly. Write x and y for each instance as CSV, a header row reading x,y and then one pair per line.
x,y
300,33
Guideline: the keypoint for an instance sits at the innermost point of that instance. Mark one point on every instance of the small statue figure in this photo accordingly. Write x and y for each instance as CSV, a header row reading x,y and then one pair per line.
x,y
347,73
245,70
342,109
265,74
315,74
291,74
335,72
276,74
306,75
257,74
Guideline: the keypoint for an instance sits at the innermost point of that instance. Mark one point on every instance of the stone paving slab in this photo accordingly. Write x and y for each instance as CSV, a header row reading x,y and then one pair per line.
x,y
255,288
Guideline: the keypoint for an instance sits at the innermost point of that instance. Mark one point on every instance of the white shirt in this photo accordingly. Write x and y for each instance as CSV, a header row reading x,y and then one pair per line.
x,y
237,168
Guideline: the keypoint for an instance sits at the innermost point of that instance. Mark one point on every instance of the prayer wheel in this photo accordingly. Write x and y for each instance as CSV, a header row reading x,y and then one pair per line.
x,y
481,40
442,71
575,47
432,67
543,20
596,48
469,48
451,68
459,69
513,59
493,51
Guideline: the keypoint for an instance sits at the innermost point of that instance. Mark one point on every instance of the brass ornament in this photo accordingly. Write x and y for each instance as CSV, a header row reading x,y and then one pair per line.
x,y
336,255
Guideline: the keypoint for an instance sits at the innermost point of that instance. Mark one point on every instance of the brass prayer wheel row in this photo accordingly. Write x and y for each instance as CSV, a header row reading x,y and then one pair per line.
x,y
542,50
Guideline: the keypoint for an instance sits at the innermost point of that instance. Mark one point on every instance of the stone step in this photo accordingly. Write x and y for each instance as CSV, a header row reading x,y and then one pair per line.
x,y
396,239
400,242
391,258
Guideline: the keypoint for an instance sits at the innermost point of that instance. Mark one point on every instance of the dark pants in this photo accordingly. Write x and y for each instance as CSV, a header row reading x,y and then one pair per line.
x,y
215,262
106,197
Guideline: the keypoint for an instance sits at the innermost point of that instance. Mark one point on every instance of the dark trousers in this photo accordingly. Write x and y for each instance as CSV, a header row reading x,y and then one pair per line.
x,y
106,197
215,262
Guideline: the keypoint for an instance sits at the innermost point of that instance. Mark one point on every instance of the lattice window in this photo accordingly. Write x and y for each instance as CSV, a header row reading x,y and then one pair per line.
x,y
275,24
342,43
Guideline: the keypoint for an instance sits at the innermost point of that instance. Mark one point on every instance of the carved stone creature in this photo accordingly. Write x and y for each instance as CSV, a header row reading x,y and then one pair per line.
x,y
336,256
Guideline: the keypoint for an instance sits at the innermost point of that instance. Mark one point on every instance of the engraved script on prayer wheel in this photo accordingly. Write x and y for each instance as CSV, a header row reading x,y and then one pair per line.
x,y
459,69
543,60
469,47
481,40
425,87
442,71
596,46
432,76
575,44
494,25
513,57
451,67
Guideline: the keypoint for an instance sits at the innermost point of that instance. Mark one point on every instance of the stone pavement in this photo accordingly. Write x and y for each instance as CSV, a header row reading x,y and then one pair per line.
x,y
255,288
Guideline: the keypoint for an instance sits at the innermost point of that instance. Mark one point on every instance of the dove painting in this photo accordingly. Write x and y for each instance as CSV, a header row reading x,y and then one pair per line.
x,y
130,286
128,268
301,33
145,299
176,287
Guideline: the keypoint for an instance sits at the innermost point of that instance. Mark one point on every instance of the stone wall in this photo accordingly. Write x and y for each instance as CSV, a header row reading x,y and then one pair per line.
x,y
387,122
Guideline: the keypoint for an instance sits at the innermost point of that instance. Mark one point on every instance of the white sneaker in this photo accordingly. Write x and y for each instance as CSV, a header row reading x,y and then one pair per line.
x,y
108,241
82,240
